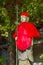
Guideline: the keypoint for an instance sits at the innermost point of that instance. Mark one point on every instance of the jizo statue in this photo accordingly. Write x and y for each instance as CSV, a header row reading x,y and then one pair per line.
x,y
26,31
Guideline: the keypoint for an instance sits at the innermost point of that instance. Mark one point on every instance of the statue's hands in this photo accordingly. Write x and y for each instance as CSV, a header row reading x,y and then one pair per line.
x,y
15,38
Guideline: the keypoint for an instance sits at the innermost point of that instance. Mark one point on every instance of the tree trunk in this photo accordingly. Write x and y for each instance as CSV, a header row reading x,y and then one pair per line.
x,y
11,50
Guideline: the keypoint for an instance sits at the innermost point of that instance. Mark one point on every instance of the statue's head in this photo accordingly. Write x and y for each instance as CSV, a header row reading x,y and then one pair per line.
x,y
24,17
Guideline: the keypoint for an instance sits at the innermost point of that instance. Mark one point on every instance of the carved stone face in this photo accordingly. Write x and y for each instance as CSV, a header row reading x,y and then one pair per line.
x,y
24,18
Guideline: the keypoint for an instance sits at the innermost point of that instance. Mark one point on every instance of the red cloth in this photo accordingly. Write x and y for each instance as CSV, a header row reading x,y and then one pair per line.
x,y
24,13
25,32
28,29
23,42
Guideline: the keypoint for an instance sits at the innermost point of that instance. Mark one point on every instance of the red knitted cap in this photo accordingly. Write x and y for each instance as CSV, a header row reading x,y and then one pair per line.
x,y
24,13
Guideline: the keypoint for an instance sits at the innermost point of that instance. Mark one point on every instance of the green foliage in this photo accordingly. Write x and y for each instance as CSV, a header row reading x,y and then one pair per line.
x,y
34,8
41,57
2,2
8,14
2,60
5,20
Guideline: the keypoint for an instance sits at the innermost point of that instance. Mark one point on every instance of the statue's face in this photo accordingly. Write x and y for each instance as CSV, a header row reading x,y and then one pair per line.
x,y
24,18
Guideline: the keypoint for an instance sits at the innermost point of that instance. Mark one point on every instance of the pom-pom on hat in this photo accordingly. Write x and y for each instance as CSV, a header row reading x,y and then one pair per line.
x,y
24,13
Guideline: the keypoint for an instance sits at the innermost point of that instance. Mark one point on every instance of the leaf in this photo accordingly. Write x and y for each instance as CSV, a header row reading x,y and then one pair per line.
x,y
4,12
41,56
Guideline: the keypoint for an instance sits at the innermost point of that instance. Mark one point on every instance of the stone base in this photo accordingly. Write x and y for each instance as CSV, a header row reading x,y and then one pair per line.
x,y
24,62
